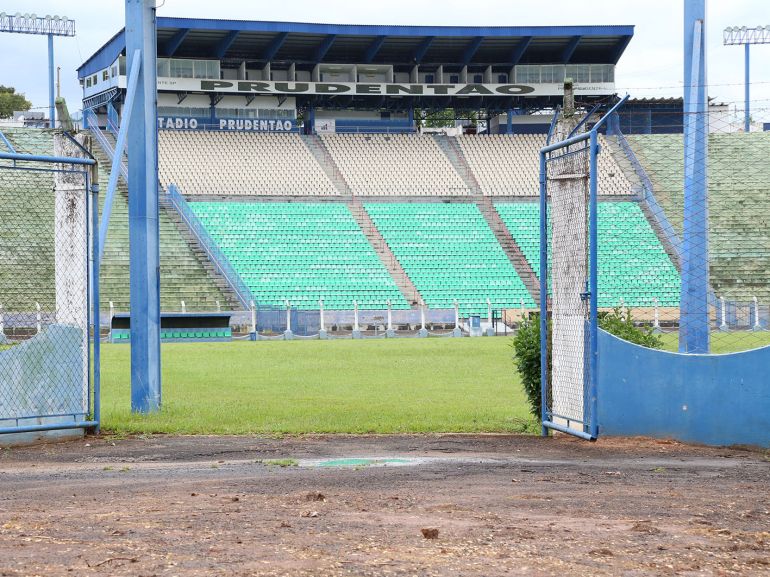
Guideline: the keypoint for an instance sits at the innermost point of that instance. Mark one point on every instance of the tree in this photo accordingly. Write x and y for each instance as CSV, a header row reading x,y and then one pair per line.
x,y
443,118
10,101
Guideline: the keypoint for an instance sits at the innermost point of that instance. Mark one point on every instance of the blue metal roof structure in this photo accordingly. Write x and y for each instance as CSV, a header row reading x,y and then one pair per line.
x,y
257,41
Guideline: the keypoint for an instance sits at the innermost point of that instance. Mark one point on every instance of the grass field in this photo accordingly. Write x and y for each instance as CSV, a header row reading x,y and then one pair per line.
x,y
345,386
727,342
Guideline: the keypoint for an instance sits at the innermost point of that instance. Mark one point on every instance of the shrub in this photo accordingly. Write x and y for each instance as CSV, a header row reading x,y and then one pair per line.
x,y
526,344
620,323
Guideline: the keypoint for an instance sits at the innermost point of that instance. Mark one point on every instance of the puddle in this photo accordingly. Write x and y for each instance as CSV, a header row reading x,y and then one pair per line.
x,y
358,462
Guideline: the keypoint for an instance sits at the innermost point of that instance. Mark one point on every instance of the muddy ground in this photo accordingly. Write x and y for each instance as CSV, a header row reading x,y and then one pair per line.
x,y
501,505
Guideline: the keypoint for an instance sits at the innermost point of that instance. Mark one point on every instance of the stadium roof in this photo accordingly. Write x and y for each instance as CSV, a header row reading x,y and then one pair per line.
x,y
257,41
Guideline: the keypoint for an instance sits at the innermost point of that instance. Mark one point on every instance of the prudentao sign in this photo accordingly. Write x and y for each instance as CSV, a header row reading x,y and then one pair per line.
x,y
368,89
256,125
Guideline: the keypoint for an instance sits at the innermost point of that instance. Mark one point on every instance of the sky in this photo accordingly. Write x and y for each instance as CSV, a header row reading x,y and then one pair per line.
x,y
651,66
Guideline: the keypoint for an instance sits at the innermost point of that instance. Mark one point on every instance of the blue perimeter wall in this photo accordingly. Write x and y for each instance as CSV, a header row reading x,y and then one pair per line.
x,y
709,399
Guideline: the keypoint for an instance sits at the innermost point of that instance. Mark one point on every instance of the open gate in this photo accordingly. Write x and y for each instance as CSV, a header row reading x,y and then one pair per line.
x,y
568,276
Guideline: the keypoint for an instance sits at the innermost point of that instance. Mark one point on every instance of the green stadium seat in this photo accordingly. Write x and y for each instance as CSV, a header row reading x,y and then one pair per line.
x,y
300,252
633,265
449,252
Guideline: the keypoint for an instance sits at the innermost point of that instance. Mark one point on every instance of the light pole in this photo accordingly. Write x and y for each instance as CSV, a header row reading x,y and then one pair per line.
x,y
49,26
741,35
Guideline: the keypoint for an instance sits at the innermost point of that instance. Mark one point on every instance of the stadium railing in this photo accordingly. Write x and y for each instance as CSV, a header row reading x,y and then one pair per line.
x,y
103,141
208,244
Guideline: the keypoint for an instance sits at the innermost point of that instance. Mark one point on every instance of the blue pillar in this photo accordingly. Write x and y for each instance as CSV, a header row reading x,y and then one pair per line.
x,y
747,119
694,310
51,102
310,120
144,264
509,125
411,117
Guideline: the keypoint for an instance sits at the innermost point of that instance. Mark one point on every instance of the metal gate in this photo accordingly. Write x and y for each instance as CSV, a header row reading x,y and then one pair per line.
x,y
48,294
568,279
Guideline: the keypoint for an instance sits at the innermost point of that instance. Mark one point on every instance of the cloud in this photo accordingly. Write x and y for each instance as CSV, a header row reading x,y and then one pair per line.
x,y
651,66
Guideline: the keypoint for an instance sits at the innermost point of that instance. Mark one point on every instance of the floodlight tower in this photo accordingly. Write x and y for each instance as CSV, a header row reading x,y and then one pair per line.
x,y
49,26
735,36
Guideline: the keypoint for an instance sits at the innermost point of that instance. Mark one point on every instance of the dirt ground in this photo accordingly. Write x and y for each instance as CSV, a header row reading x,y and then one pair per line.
x,y
501,505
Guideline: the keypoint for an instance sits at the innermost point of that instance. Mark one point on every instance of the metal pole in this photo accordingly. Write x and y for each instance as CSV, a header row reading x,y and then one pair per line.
x,y
120,144
96,297
747,89
51,101
544,294
288,317
756,314
144,235
722,314
593,284
694,313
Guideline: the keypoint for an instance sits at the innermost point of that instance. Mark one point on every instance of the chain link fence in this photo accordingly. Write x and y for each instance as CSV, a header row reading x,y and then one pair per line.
x,y
697,242
566,174
44,285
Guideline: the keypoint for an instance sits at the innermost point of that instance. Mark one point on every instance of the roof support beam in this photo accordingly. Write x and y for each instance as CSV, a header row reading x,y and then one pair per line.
x,y
521,48
422,49
566,55
324,47
620,48
173,43
471,49
274,46
373,49
224,45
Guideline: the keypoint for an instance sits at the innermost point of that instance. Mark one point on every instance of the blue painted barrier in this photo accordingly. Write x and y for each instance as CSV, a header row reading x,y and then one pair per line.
x,y
709,399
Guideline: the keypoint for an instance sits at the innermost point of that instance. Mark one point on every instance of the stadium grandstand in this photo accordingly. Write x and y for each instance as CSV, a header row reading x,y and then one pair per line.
x,y
307,158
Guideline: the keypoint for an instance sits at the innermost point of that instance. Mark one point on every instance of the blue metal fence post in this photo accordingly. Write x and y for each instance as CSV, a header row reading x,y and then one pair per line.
x,y
143,211
120,146
51,102
694,309
593,284
543,295
95,255
747,90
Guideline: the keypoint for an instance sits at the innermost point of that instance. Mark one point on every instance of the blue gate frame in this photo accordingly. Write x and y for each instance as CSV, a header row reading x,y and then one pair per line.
x,y
590,140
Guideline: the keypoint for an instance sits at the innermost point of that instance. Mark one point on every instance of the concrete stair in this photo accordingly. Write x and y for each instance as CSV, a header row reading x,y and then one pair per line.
x,y
451,149
232,301
510,247
186,272
388,259
325,160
